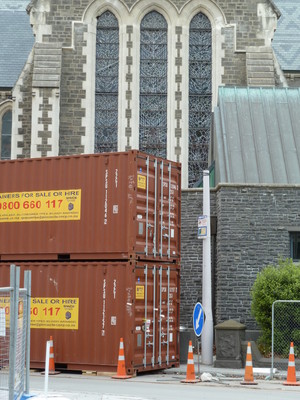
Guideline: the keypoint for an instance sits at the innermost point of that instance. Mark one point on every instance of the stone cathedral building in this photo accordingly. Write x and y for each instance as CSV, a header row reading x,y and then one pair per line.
x,y
201,82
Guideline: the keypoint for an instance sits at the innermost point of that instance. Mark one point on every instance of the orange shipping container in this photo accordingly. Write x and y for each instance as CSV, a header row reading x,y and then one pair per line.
x,y
88,306
101,206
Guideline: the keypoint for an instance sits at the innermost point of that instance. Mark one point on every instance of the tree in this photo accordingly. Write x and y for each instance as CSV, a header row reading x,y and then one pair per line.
x,y
277,282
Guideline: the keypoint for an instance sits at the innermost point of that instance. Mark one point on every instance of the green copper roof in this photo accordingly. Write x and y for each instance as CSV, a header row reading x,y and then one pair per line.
x,y
257,136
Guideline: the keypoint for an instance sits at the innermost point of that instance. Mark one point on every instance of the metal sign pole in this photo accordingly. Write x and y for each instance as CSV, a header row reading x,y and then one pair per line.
x,y
198,359
208,331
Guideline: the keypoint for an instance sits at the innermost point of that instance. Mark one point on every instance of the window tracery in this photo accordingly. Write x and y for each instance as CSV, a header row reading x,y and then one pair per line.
x,y
153,84
107,83
200,95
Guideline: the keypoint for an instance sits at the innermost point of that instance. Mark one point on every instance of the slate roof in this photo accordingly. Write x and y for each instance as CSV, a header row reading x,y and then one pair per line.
x,y
286,42
257,136
16,40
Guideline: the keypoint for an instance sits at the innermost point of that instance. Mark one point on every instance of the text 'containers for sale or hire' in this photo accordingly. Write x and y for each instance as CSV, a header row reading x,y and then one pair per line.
x,y
101,235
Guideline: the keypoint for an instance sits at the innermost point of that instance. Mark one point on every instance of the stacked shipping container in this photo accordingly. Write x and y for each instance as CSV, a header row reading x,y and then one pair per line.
x,y
101,235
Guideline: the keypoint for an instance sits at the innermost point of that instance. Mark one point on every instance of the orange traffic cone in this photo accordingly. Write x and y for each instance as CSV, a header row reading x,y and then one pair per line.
x,y
121,370
248,378
190,371
291,372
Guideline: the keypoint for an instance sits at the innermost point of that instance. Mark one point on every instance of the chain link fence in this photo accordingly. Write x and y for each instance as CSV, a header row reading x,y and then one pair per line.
x,y
14,336
285,329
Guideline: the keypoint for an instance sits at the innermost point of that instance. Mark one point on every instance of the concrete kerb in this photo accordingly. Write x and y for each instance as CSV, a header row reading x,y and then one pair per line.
x,y
262,374
211,376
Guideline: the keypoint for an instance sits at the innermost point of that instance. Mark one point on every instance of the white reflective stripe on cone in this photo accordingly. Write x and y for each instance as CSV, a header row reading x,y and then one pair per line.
x,y
121,345
51,355
190,361
291,364
190,349
248,350
51,343
292,350
121,358
248,363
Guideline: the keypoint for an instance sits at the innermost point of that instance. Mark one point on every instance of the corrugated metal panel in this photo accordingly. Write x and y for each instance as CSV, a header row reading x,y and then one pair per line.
x,y
258,135
230,116
264,166
88,307
218,155
130,207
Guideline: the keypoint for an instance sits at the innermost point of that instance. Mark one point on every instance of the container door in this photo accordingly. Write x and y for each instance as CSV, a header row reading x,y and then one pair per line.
x,y
158,209
168,211
157,316
147,197
168,315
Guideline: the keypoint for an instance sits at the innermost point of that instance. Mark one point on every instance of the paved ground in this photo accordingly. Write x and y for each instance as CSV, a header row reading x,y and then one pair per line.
x,y
215,377
160,386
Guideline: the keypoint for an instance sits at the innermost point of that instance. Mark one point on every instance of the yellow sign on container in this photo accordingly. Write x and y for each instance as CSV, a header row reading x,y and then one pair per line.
x,y
140,292
47,312
5,307
50,205
141,182
54,313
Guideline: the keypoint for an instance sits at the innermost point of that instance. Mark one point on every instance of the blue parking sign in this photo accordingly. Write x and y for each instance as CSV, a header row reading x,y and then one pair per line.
x,y
198,319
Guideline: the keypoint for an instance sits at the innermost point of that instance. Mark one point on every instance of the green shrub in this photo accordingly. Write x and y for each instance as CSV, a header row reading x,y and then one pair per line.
x,y
277,282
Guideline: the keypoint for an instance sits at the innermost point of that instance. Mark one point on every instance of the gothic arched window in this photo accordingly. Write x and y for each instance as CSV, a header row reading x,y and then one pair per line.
x,y
200,96
107,83
153,84
5,145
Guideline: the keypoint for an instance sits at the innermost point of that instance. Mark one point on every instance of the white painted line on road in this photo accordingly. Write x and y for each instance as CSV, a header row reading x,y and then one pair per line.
x,y
118,397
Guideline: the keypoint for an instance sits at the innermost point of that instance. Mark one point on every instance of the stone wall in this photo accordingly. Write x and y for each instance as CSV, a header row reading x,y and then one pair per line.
x,y
243,13
72,94
191,252
253,224
22,116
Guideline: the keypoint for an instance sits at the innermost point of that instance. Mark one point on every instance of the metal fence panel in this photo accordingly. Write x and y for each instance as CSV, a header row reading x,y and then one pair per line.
x,y
4,342
285,329
19,381
14,336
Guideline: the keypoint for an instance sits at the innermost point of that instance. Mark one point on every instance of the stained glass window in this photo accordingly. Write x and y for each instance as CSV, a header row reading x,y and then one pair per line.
x,y
107,83
6,136
153,84
200,62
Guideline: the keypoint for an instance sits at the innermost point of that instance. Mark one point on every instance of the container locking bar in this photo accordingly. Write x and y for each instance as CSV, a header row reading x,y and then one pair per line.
x,y
161,207
145,336
155,211
147,207
160,313
169,231
168,318
154,320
